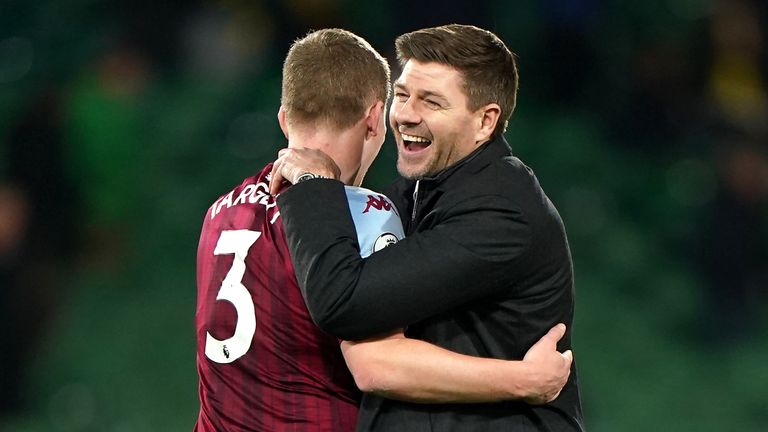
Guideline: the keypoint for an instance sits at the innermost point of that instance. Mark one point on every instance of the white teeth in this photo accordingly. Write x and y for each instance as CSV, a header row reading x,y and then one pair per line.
x,y
414,138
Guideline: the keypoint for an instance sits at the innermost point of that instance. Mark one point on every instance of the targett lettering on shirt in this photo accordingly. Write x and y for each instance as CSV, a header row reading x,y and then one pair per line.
x,y
257,193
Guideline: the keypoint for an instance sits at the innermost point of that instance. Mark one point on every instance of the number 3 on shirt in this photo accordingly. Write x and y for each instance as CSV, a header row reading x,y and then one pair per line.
x,y
232,289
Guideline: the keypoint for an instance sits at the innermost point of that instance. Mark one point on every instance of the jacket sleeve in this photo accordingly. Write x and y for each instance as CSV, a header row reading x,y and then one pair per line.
x,y
469,254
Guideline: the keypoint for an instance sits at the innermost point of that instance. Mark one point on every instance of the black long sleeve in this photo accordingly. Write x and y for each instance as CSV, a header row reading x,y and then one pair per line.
x,y
458,260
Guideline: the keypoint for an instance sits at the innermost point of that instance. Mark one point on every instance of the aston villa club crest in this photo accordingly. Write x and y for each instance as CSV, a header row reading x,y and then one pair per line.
x,y
383,241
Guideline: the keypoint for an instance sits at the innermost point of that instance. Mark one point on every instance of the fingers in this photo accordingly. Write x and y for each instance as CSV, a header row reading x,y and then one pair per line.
x,y
566,373
553,367
553,397
553,336
296,160
279,169
276,176
557,332
568,356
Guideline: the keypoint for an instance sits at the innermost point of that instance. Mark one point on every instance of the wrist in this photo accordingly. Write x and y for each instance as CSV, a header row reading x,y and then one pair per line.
x,y
522,384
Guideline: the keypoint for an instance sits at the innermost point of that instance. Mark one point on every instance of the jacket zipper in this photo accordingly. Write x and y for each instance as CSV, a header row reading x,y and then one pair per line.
x,y
415,203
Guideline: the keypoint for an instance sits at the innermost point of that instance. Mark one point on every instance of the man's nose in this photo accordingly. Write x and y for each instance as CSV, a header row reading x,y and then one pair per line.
x,y
406,113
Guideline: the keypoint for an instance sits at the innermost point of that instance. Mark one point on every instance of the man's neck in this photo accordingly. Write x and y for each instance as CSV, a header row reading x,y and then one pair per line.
x,y
340,145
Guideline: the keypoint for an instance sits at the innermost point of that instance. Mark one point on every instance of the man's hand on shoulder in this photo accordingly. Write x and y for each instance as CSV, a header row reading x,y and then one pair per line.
x,y
294,163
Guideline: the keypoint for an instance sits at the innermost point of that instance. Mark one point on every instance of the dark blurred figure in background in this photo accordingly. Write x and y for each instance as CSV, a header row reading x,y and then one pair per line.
x,y
38,239
733,244
106,134
733,241
428,13
568,56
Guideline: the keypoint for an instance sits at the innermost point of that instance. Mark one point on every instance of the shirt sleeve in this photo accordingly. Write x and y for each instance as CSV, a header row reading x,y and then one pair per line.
x,y
468,254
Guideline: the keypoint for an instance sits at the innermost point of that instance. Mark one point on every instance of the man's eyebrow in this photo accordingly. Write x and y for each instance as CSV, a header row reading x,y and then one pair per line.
x,y
427,93
422,93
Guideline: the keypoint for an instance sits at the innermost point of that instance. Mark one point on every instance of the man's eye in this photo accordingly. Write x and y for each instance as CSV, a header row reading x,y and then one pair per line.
x,y
401,95
432,104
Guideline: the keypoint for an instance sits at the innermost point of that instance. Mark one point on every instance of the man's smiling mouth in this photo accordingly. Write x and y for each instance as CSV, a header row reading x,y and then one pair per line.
x,y
415,143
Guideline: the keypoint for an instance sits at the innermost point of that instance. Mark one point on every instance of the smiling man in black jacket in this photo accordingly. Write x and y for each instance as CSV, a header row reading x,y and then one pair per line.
x,y
485,269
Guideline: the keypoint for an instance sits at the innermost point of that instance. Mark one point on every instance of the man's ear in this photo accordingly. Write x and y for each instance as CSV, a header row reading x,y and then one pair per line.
x,y
283,122
488,118
373,119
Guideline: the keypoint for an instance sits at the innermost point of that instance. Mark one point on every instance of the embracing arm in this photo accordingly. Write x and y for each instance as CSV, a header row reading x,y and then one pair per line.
x,y
425,274
407,369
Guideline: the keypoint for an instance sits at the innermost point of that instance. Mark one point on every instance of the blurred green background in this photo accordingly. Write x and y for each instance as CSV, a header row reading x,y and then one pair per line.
x,y
121,122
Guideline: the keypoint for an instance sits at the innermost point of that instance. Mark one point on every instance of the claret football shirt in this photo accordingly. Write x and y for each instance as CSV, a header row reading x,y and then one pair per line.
x,y
262,362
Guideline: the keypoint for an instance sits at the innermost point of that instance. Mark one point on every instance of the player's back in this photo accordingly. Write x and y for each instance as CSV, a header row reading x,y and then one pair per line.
x,y
263,364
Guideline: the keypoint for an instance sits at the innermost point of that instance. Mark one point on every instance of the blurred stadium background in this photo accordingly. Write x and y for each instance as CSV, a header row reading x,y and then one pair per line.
x,y
120,122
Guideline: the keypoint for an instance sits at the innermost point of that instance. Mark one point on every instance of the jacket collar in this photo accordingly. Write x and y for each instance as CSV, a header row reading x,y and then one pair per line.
x,y
480,157
488,152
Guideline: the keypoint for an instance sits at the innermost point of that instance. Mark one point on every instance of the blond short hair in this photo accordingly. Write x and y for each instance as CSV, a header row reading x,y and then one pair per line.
x,y
332,76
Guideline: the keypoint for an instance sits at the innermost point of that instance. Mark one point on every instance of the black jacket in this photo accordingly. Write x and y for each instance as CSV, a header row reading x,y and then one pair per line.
x,y
485,270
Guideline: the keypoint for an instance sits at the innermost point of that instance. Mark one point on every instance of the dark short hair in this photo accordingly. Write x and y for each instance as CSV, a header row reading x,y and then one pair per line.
x,y
332,75
488,67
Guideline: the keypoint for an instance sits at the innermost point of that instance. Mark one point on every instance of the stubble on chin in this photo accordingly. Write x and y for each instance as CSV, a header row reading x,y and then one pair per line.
x,y
410,171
